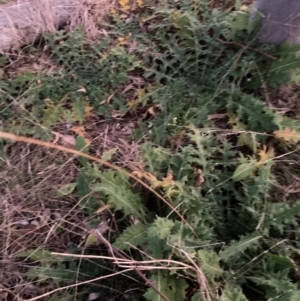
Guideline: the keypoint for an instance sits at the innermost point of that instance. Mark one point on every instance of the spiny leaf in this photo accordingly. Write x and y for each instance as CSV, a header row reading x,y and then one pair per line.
x,y
58,274
91,240
157,247
80,109
125,5
265,154
247,139
155,183
52,115
172,287
238,247
107,155
280,262
235,122
161,228
252,112
81,145
154,157
119,194
233,294
244,170
288,134
277,283
134,235
66,189
210,263
287,214
37,255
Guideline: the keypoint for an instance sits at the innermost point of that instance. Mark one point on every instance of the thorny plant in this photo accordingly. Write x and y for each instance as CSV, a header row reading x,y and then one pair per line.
x,y
207,213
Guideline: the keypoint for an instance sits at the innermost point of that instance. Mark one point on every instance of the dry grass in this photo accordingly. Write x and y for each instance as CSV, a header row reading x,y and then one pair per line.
x,y
30,217
31,210
22,22
89,14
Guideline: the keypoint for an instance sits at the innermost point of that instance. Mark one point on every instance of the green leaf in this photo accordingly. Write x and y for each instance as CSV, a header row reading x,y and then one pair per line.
x,y
39,255
78,108
91,240
40,275
154,157
210,264
45,269
81,146
244,170
274,283
66,189
293,295
197,297
157,248
134,235
287,214
59,274
233,294
107,155
237,247
87,201
252,112
172,287
239,23
161,228
52,115
119,194
282,70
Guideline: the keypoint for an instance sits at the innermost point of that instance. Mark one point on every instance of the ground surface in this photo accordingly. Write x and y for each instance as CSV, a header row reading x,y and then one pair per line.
x,y
31,177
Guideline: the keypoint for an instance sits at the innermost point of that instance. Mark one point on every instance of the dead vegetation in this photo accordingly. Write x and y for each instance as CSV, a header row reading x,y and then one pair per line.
x,y
32,211
23,22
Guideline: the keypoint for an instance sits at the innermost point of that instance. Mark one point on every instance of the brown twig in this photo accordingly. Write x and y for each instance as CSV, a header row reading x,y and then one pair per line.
x,y
115,252
250,48
93,158
5,289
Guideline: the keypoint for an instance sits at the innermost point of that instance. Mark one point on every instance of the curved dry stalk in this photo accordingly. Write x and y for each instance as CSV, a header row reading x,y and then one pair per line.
x,y
93,158
77,284
129,262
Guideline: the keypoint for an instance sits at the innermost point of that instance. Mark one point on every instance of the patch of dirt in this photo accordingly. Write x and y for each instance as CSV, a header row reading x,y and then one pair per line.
x,y
286,99
115,135
32,212
35,62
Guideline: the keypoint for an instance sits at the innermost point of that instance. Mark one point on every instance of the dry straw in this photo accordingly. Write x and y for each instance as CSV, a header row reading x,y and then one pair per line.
x,y
22,22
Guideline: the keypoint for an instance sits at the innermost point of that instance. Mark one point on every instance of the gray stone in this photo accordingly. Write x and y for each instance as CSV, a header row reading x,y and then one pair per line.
x,y
280,20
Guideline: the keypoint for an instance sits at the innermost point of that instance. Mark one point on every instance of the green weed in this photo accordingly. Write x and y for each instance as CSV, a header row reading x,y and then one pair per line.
x,y
213,149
